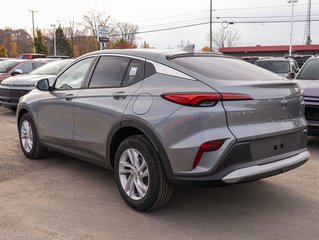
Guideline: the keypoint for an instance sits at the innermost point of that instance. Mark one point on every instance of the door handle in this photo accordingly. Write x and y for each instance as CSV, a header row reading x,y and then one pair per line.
x,y
68,97
119,95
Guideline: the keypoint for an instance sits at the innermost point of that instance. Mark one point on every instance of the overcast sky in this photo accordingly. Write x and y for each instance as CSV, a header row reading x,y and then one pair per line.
x,y
154,15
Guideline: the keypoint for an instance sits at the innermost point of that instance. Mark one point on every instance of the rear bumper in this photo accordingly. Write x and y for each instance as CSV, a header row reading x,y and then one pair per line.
x,y
252,160
245,174
268,169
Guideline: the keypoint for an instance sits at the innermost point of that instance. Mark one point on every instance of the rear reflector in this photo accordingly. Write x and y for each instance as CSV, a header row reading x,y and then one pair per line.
x,y
203,99
207,147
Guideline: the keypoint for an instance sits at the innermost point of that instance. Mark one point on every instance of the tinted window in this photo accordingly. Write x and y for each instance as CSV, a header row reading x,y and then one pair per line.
x,y
73,76
109,72
310,70
275,66
149,69
134,73
25,67
224,68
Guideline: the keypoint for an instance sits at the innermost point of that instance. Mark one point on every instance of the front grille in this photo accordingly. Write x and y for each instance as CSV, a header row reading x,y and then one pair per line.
x,y
10,95
312,112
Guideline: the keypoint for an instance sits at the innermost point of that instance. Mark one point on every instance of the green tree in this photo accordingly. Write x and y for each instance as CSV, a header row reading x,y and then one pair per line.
x,y
39,45
62,44
3,51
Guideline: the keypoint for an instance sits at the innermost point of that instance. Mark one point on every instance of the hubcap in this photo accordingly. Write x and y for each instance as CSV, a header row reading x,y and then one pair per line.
x,y
26,136
133,173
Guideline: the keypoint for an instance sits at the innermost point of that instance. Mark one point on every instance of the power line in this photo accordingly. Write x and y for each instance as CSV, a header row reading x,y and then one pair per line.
x,y
228,18
216,10
207,22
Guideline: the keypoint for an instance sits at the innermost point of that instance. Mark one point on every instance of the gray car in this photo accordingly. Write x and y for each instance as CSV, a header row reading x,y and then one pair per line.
x,y
285,67
160,118
308,80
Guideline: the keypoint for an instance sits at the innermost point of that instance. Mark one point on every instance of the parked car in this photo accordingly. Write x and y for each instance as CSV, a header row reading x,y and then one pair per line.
x,y
30,56
285,67
59,56
251,59
308,80
160,118
300,59
12,88
2,59
14,67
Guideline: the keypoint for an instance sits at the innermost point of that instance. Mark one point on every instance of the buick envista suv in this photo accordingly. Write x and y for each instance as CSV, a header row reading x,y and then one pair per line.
x,y
160,118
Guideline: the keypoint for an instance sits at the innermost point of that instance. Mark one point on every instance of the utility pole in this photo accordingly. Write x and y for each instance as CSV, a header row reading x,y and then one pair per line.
x,y
211,26
32,12
54,38
307,38
292,22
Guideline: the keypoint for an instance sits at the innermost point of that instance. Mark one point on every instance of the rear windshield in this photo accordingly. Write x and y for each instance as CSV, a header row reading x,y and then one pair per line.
x,y
274,66
6,66
310,70
224,68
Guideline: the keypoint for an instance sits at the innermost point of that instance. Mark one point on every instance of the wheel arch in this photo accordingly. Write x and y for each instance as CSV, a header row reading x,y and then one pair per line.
x,y
129,127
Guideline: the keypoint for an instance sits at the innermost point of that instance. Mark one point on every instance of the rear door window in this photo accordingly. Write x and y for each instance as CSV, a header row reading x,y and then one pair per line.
x,y
110,71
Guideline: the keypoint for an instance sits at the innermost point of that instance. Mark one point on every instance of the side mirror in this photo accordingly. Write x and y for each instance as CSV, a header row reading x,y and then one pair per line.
x,y
17,72
290,75
43,85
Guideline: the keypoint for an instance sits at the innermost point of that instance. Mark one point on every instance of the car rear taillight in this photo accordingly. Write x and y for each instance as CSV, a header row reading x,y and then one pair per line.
x,y
207,147
203,99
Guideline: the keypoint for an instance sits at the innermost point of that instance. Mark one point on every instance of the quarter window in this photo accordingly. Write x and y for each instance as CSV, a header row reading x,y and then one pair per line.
x,y
109,72
73,77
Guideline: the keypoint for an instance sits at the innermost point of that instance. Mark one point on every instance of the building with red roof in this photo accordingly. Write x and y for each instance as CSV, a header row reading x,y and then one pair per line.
x,y
276,51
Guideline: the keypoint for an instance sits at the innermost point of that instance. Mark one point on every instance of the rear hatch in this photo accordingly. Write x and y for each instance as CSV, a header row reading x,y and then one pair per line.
x,y
272,106
275,107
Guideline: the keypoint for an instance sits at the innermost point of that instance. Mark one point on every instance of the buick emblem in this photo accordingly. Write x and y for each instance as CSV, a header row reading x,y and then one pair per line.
x,y
284,104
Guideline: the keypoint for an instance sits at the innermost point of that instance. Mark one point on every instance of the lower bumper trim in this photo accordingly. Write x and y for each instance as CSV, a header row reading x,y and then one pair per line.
x,y
248,172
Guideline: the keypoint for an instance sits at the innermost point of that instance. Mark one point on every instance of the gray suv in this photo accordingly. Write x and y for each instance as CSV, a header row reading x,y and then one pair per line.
x,y
160,118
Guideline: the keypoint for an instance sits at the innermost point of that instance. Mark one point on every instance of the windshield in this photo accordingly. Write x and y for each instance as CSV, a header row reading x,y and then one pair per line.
x,y
52,68
310,70
6,66
275,66
223,68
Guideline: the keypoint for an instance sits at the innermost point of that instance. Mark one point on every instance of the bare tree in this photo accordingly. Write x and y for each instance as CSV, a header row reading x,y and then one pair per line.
x,y
92,19
225,37
183,44
126,32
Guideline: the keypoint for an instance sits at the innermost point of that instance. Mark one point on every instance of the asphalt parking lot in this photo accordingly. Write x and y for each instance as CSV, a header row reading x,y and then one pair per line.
x,y
64,198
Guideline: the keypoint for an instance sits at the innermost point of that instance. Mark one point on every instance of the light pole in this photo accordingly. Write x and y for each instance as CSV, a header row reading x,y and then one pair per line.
x,y
292,22
54,39
32,12
210,26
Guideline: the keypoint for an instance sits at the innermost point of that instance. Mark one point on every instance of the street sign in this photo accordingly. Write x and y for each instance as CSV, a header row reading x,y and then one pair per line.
x,y
103,34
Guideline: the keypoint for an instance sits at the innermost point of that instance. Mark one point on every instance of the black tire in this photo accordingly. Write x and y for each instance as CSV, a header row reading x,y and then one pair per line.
x,y
35,151
159,189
